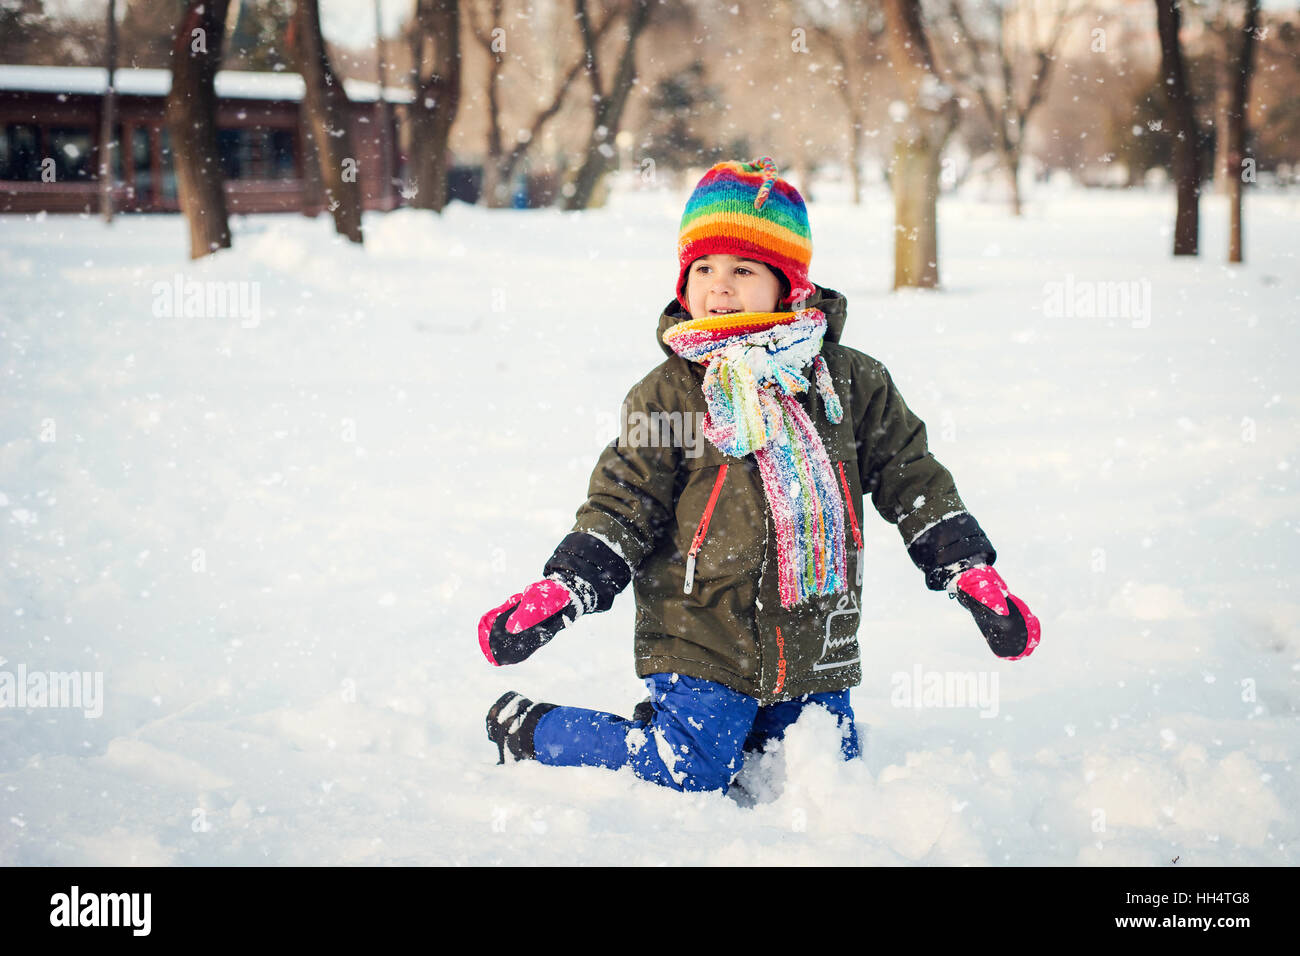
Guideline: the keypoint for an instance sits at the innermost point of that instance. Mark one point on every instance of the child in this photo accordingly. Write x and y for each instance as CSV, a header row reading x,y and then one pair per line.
x,y
746,555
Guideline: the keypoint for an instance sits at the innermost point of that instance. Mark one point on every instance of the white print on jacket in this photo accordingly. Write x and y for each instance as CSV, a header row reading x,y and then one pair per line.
x,y
848,604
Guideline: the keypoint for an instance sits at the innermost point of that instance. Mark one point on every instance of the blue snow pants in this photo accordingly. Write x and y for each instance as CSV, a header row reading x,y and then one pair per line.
x,y
696,739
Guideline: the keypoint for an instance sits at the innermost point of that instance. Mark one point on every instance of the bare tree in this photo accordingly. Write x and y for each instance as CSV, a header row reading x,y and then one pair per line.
x,y
191,115
313,189
607,104
1182,120
502,162
1236,129
328,113
383,118
108,118
1273,90
435,52
922,126
496,185
1002,58
1217,20
1221,48
850,33
28,33
148,28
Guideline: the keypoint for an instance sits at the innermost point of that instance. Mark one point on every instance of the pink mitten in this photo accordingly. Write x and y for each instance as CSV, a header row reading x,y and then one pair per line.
x,y
542,610
1004,619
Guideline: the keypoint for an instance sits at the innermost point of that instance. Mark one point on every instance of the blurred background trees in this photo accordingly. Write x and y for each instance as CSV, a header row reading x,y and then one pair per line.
x,y
806,81
192,122
538,102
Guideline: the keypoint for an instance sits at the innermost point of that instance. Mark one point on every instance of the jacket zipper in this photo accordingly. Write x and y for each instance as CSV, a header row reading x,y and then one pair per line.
x,y
702,529
780,662
853,522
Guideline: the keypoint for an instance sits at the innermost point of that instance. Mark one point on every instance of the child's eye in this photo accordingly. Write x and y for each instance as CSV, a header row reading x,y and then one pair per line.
x,y
742,270
701,268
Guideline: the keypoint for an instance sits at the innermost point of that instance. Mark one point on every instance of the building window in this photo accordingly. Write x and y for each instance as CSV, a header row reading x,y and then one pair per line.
x,y
73,151
20,152
281,154
119,155
142,160
255,153
236,153
168,173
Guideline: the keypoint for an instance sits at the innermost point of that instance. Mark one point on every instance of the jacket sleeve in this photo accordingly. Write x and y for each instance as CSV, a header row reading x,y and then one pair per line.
x,y
630,500
908,485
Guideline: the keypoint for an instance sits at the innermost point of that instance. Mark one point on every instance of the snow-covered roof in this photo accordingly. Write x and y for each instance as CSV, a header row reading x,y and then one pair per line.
x,y
231,84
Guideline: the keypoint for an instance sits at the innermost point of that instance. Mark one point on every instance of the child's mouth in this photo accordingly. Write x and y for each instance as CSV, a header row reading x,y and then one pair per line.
x,y
722,311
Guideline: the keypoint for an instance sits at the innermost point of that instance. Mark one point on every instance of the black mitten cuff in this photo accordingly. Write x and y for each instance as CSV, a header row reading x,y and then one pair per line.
x,y
591,569
949,547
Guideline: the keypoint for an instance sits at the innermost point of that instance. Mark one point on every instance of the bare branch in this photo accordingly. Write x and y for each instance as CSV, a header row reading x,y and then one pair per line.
x,y
588,46
975,67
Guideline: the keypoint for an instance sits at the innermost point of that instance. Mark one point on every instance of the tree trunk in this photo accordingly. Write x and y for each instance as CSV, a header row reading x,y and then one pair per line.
x,y
918,142
1011,165
496,176
329,115
1222,107
915,180
380,187
108,120
313,193
1243,68
436,54
495,192
383,118
1182,119
191,116
803,176
855,159
608,113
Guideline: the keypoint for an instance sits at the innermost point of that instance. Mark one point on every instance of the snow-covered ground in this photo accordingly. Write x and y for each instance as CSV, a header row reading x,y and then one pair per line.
x,y
270,536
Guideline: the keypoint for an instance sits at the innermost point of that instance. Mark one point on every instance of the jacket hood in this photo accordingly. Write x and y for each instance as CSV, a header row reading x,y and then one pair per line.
x,y
829,301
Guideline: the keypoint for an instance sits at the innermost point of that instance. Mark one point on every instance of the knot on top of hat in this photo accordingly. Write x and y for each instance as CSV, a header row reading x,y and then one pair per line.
x,y
768,167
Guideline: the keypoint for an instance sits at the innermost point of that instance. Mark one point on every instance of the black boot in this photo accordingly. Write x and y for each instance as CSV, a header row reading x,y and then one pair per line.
x,y
511,722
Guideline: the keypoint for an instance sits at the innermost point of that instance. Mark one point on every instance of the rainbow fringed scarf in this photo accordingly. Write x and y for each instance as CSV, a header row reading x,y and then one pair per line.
x,y
753,363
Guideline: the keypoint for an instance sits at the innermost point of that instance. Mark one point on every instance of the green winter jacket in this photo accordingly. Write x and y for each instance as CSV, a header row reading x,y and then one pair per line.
x,y
649,495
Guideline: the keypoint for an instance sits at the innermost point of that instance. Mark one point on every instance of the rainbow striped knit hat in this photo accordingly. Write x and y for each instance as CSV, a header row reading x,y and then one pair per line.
x,y
746,209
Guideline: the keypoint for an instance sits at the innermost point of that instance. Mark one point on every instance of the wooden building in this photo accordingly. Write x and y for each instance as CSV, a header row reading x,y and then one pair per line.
x,y
49,131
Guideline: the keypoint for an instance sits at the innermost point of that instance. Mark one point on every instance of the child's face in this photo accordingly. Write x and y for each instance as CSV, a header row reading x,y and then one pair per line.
x,y
718,284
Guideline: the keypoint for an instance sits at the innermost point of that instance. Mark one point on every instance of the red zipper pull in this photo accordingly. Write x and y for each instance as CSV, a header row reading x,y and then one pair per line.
x,y
702,530
853,520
